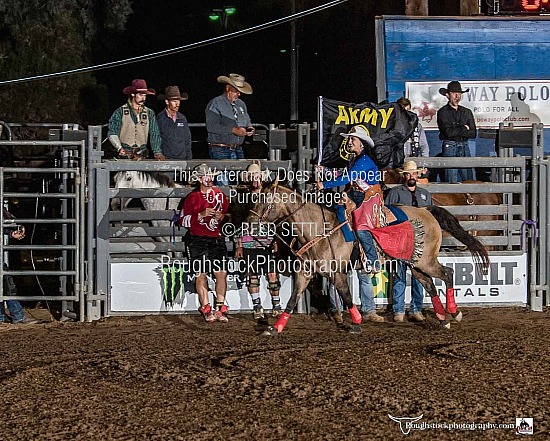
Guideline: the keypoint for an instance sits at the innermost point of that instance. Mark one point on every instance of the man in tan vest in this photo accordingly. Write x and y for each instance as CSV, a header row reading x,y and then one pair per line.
x,y
132,124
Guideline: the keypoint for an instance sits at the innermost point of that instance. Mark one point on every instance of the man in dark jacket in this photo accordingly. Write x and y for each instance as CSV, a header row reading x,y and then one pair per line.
x,y
456,125
173,126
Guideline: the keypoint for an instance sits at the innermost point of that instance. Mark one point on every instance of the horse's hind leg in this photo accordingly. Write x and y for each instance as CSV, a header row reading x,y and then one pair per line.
x,y
341,284
429,286
300,284
446,274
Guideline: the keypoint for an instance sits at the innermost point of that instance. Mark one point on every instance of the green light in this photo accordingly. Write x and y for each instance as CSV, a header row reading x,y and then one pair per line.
x,y
282,51
230,10
214,16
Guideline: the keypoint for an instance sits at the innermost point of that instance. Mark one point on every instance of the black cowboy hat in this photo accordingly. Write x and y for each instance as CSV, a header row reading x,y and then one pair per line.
x,y
453,86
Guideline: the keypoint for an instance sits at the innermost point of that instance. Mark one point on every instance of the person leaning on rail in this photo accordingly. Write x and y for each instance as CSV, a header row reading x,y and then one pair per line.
x,y
133,124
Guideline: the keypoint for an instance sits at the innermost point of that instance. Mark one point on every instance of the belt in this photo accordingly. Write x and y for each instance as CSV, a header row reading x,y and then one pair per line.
x,y
227,146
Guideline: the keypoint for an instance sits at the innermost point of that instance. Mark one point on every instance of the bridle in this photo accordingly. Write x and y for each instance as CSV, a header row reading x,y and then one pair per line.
x,y
299,253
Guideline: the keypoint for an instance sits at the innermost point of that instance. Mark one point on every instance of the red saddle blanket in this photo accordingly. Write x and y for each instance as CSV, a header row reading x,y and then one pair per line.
x,y
397,241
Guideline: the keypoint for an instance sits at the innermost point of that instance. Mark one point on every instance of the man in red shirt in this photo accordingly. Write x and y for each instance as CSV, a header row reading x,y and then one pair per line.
x,y
204,210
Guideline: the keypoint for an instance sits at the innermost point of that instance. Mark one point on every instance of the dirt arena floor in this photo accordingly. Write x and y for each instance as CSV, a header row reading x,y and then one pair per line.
x,y
179,378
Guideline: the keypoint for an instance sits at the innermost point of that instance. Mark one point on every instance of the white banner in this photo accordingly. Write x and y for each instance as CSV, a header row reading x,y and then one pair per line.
x,y
506,282
521,103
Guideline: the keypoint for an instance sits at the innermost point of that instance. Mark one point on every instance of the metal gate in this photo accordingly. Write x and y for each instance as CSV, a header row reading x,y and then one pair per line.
x,y
62,258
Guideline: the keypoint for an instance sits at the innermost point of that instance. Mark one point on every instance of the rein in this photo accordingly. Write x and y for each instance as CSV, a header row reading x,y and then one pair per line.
x,y
309,244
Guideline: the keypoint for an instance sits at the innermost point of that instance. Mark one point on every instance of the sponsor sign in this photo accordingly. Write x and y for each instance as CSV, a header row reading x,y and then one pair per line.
x,y
492,102
506,282
139,287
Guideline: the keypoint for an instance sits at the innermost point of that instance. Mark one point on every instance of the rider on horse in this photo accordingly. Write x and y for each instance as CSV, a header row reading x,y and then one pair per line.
x,y
364,176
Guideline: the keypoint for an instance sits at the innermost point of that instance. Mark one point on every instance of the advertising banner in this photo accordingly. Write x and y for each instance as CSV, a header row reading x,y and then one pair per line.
x,y
521,103
506,282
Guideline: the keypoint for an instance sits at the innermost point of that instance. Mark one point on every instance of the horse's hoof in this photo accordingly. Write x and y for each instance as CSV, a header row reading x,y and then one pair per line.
x,y
445,324
355,329
270,332
457,316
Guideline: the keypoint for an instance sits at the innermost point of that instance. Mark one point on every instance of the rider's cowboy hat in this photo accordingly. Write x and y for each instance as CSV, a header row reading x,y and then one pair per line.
x,y
173,93
237,81
411,167
254,169
138,86
202,170
453,86
359,132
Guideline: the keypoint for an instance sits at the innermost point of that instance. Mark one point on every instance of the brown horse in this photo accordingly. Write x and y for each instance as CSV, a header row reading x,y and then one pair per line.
x,y
392,176
329,257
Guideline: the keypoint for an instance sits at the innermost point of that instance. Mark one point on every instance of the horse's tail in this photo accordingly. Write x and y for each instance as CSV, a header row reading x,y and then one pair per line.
x,y
450,224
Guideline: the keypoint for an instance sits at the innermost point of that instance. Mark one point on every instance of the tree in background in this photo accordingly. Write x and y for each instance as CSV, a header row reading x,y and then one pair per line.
x,y
46,36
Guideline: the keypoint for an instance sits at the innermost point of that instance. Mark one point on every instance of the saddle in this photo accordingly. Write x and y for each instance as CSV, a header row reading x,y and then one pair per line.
x,y
387,224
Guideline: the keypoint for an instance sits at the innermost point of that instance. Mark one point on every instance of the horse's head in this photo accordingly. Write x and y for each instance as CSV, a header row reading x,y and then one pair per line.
x,y
273,203
125,179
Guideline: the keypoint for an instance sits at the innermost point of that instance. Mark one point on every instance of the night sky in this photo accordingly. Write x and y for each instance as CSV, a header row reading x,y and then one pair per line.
x,y
336,53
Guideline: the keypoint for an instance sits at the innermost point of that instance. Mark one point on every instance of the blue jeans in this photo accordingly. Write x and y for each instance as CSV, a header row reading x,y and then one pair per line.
x,y
457,149
366,241
226,153
366,292
222,180
16,311
399,283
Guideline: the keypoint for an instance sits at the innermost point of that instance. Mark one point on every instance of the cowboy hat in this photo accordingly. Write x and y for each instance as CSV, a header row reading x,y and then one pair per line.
x,y
202,170
453,86
173,93
252,170
138,86
237,81
359,132
411,167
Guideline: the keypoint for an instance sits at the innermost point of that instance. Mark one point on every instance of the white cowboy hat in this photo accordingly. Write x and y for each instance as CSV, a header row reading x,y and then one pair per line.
x,y
202,170
359,132
411,167
237,81
253,169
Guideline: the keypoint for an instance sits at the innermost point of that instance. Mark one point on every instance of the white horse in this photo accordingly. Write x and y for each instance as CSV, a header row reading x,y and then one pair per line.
x,y
146,180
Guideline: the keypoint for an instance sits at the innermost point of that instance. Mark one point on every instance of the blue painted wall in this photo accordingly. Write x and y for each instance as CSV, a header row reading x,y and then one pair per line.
x,y
463,48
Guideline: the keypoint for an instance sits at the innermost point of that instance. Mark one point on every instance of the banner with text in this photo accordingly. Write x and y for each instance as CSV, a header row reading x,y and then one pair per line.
x,y
389,126
505,283
521,103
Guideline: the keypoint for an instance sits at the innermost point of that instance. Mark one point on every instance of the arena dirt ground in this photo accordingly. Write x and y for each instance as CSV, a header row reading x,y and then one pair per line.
x,y
179,378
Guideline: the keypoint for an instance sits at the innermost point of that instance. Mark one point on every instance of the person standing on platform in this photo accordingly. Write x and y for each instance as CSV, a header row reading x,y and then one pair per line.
x,y
173,126
456,125
133,124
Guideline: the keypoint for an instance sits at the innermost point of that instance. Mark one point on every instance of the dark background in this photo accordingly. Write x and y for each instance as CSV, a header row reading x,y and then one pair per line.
x,y
336,53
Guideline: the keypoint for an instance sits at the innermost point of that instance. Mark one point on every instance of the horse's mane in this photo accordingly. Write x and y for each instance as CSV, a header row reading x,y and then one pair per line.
x,y
299,199
157,178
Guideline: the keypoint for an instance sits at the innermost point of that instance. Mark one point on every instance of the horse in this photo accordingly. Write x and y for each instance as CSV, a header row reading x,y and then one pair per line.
x,y
392,176
280,206
144,180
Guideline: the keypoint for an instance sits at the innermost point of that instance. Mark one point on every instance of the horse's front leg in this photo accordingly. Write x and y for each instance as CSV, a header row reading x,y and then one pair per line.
x,y
341,284
300,284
